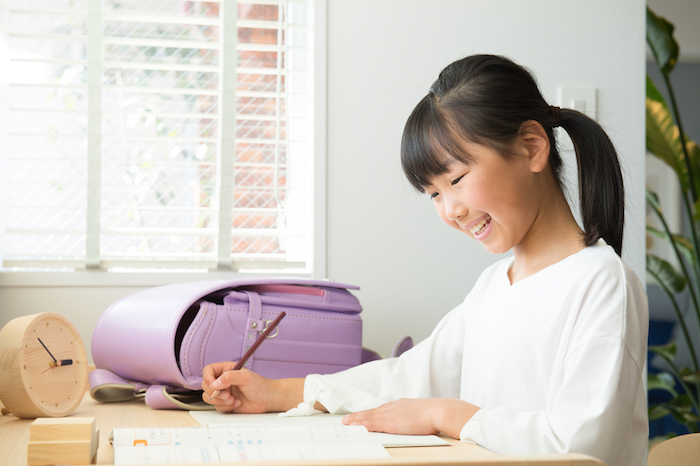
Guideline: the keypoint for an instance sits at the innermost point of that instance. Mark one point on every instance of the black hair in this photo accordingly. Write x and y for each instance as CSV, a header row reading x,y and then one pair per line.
x,y
486,99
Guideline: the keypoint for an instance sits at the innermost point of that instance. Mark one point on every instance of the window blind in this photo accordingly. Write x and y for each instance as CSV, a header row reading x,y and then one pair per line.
x,y
159,134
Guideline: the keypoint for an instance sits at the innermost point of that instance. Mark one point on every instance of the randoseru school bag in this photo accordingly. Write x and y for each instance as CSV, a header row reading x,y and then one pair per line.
x,y
155,343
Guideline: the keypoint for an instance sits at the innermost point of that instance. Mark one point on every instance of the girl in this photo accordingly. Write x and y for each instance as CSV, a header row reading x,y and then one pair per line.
x,y
546,353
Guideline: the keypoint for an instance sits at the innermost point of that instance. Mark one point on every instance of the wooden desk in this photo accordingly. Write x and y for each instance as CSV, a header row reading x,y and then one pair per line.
x,y
14,435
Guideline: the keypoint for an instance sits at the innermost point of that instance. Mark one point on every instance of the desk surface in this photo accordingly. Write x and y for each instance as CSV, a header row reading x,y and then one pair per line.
x,y
14,435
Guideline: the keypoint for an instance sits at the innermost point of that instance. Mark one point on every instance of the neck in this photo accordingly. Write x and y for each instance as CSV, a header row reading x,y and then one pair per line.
x,y
554,235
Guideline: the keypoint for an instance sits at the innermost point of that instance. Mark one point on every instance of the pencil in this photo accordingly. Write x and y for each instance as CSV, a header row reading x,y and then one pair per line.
x,y
241,362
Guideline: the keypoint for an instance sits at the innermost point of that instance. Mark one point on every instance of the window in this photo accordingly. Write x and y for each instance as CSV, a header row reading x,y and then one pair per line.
x,y
159,134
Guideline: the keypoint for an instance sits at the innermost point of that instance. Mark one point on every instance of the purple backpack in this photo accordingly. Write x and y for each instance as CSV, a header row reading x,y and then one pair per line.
x,y
155,343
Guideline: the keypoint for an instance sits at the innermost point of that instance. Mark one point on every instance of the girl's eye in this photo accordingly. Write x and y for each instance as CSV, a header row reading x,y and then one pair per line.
x,y
456,180
433,195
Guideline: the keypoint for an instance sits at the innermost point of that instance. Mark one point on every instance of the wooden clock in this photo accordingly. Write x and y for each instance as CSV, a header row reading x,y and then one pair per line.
x,y
43,366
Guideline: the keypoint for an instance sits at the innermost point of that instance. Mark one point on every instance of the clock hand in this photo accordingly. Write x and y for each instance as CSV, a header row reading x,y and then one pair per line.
x,y
47,350
62,362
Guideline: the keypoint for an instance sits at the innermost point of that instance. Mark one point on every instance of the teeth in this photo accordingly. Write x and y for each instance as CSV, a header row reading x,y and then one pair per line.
x,y
477,228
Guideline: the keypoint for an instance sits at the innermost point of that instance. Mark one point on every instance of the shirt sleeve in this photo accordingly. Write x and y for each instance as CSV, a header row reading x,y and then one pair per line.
x,y
598,404
374,383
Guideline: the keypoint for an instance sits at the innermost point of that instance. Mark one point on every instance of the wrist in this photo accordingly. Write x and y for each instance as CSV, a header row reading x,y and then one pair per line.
x,y
286,394
451,416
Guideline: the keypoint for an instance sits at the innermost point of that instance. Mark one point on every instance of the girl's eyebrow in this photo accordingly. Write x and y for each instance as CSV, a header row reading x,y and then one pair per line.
x,y
456,165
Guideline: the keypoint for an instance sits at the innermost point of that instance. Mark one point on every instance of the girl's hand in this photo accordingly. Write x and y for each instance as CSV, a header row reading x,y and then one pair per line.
x,y
244,391
241,391
416,417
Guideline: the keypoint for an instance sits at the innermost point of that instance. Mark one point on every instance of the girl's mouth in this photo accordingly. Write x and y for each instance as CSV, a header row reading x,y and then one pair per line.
x,y
481,227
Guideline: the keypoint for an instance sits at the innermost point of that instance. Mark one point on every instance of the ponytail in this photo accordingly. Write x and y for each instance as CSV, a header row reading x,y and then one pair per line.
x,y
601,192
486,99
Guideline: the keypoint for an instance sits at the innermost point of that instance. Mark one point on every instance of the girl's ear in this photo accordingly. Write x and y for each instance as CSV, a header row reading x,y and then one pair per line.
x,y
534,140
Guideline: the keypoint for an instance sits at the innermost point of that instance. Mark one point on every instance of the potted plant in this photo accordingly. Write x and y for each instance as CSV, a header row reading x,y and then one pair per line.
x,y
666,140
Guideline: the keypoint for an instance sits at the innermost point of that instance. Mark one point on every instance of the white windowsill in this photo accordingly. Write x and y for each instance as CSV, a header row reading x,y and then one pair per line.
x,y
127,279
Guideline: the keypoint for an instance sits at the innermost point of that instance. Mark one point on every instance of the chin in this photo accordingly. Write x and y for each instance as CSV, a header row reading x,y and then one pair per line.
x,y
496,248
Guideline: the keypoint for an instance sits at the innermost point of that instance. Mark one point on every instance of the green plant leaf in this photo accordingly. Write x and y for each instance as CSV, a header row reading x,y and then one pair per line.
x,y
664,274
653,92
667,351
684,245
663,138
682,403
662,381
662,135
690,376
653,199
678,416
691,417
681,408
661,41
657,412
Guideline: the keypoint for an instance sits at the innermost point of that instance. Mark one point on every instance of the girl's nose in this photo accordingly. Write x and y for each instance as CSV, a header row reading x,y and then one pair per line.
x,y
454,208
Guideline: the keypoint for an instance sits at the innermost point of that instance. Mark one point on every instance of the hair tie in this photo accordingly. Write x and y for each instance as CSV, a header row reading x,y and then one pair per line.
x,y
556,113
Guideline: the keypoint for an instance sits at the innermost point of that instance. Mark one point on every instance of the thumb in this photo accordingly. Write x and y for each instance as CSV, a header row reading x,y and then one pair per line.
x,y
218,384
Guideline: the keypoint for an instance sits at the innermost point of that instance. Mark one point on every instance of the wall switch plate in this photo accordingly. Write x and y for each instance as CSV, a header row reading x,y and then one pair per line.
x,y
583,99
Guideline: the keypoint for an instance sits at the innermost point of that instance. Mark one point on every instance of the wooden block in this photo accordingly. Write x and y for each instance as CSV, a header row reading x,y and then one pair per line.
x,y
62,441
41,453
47,429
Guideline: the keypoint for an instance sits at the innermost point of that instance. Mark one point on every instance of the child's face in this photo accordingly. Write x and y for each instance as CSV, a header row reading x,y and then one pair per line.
x,y
491,199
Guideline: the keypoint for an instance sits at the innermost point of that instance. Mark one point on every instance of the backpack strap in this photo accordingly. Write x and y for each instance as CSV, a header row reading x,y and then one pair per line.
x,y
254,324
158,397
107,387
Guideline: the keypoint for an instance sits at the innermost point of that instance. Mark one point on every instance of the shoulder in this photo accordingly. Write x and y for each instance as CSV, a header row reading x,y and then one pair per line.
x,y
611,299
597,264
599,272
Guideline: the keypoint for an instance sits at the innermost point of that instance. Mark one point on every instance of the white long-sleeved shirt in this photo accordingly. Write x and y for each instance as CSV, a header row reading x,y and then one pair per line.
x,y
554,361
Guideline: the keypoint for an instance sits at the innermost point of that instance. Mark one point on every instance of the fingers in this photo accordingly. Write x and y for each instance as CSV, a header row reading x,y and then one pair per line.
x,y
360,418
231,378
228,405
219,384
404,416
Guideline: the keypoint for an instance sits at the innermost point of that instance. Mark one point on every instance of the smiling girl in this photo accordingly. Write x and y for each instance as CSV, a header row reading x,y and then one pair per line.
x,y
546,353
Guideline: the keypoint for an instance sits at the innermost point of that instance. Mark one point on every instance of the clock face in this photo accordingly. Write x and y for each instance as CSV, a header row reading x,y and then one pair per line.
x,y
53,365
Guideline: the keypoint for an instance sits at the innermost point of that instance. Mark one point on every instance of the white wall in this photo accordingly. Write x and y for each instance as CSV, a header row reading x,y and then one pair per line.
x,y
382,57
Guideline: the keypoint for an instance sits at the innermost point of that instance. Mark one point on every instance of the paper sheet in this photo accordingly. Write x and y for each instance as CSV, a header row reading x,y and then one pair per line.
x,y
217,419
245,453
242,443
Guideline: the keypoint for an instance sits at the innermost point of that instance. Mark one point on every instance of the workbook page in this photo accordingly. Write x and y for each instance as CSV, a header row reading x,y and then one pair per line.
x,y
217,419
246,452
242,443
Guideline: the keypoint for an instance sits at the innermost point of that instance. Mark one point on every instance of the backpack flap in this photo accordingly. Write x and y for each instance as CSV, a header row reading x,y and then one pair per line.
x,y
307,297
